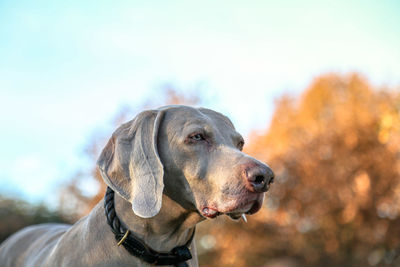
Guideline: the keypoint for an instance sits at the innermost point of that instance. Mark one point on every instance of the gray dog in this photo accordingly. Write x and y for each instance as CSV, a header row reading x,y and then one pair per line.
x,y
174,167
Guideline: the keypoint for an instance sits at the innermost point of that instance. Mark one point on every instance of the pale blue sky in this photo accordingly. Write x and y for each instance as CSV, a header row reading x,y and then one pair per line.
x,y
66,67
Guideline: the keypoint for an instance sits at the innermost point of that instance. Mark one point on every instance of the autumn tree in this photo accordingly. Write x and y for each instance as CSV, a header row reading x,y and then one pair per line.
x,y
336,200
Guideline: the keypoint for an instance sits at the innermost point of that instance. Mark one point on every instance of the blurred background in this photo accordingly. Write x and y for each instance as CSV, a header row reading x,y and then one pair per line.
x,y
312,85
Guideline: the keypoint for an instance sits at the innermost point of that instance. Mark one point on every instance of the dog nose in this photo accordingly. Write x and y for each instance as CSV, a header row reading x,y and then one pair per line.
x,y
259,178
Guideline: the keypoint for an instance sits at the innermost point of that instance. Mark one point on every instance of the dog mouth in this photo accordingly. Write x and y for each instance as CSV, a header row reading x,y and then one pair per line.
x,y
253,208
235,212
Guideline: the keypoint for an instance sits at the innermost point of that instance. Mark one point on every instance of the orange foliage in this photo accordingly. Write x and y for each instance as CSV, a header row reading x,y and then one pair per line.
x,y
336,201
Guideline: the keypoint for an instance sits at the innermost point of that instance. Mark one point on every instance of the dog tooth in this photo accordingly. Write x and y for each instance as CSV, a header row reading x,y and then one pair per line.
x,y
244,218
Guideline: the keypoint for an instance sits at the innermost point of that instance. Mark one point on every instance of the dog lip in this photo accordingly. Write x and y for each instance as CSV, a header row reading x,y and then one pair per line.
x,y
242,208
248,205
256,207
209,212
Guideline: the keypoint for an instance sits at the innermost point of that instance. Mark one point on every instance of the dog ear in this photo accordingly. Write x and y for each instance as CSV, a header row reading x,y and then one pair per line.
x,y
131,166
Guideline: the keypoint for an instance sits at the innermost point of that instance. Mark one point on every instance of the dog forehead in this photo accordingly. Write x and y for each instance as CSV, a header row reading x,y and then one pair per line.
x,y
186,116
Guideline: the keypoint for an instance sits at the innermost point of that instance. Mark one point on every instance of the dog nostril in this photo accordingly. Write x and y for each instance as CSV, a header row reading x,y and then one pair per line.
x,y
259,180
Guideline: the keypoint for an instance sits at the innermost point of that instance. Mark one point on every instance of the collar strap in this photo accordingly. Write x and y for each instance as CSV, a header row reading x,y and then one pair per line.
x,y
177,256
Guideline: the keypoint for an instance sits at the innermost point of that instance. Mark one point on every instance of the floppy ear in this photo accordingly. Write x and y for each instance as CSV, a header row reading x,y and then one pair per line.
x,y
131,166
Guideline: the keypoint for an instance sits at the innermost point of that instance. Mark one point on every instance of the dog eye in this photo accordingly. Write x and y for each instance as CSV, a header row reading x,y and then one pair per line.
x,y
197,137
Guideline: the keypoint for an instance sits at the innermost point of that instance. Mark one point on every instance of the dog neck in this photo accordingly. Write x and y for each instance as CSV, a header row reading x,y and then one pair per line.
x,y
171,227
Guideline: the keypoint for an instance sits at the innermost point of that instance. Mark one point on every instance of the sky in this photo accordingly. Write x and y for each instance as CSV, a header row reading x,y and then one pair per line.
x,y
67,67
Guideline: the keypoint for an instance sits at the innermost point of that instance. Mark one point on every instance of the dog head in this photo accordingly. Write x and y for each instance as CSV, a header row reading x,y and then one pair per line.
x,y
192,155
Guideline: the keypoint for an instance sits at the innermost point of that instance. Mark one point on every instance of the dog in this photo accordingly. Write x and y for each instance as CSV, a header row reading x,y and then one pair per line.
x,y
171,168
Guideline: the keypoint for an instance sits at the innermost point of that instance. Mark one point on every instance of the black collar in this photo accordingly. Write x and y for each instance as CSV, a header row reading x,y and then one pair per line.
x,y
177,256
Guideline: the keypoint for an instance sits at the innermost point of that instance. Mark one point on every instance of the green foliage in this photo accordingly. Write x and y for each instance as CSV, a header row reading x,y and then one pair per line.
x,y
16,214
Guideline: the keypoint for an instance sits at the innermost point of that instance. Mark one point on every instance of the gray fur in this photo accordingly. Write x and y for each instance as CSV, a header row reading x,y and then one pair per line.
x,y
164,176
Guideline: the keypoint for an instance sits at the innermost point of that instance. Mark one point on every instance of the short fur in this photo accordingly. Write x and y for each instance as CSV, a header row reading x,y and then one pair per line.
x,y
167,179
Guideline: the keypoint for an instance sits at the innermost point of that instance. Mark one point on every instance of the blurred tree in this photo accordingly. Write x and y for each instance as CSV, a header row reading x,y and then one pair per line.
x,y
336,200
16,214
